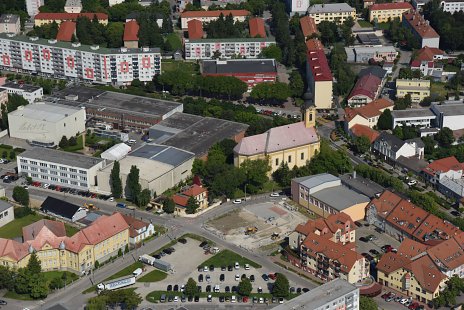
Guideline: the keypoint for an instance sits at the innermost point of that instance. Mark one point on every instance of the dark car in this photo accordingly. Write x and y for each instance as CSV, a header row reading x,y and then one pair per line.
x,y
292,290
243,276
167,251
3,302
190,298
455,213
363,239
200,278
169,288
199,288
222,277
197,298
298,290
211,268
305,290
170,298
182,240
172,250
208,288
176,288
223,268
227,289
221,298
230,268
234,289
265,277
252,278
157,256
358,224
182,298
374,252
203,244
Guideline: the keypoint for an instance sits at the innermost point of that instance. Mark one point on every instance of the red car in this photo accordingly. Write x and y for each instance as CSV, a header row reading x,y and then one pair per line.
x,y
413,306
245,299
272,276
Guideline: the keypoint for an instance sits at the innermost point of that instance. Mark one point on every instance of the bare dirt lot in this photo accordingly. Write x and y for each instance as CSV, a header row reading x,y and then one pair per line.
x,y
273,217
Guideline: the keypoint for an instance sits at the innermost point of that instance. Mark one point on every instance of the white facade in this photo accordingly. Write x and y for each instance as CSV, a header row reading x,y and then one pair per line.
x,y
142,234
391,147
60,168
114,2
228,48
452,6
78,62
6,213
116,152
46,124
29,92
10,23
449,115
298,6
332,12
33,6
73,6
188,16
423,118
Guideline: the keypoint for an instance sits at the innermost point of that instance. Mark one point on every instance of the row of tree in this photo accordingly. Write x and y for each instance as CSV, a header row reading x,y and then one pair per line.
x,y
333,32
399,34
341,70
14,101
114,299
256,7
133,189
225,27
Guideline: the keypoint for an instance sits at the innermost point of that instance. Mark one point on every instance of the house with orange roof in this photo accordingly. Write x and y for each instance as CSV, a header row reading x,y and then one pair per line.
x,y
98,242
421,29
195,29
308,26
199,193
367,115
318,75
131,37
256,26
429,54
359,130
138,230
448,167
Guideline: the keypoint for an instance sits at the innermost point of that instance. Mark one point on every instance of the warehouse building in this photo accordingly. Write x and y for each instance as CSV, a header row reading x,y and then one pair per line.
x,y
362,54
449,115
116,152
73,61
160,168
60,168
45,124
29,92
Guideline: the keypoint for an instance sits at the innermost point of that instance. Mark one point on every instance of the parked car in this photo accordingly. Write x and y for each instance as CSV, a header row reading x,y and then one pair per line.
x,y
374,251
455,213
237,201
223,268
247,267
275,195
237,265
203,244
182,240
222,277
169,288
208,278
200,278
237,277
197,298
252,278
230,268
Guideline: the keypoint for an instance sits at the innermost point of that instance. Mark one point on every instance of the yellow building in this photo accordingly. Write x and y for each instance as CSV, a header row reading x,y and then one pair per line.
x,y
419,278
366,115
385,12
418,89
324,195
332,12
292,144
48,18
97,242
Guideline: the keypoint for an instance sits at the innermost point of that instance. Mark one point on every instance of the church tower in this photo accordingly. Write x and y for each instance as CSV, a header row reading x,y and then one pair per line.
x,y
308,110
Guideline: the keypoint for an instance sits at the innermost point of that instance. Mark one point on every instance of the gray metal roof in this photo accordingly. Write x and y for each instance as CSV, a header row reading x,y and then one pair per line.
x,y
45,112
164,154
340,197
316,180
369,39
394,142
320,296
239,66
412,113
450,109
361,185
330,8
25,87
9,19
374,70
61,157
4,205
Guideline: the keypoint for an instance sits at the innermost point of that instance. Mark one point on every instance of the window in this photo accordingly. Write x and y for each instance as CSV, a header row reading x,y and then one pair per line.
x,y
72,170
63,168
289,158
33,162
53,166
63,174
43,165
302,156
54,172
82,172
44,170
277,161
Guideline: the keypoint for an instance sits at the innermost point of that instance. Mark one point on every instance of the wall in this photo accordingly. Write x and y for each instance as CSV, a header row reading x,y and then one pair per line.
x,y
6,216
323,91
357,212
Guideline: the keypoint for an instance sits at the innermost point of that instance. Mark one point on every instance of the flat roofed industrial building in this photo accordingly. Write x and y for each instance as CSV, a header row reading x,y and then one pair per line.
x,y
45,124
196,134
29,92
120,110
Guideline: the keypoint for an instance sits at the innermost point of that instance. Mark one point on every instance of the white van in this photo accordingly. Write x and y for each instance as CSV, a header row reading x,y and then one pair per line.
x,y
137,272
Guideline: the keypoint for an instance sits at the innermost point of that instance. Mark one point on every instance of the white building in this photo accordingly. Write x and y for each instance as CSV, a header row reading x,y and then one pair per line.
x,y
228,48
423,118
29,92
297,6
60,168
114,2
452,6
391,147
10,23
73,6
6,213
209,16
138,229
45,124
333,295
33,6
332,12
363,54
74,61
116,152
449,115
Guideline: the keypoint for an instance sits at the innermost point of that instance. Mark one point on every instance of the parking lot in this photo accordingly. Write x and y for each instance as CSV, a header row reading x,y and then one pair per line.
x,y
379,239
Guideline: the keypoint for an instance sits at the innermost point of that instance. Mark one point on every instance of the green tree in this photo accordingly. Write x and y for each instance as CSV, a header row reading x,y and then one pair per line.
x,y
385,121
133,187
191,288
192,205
21,282
114,34
244,287
63,142
272,52
283,175
281,286
366,303
56,283
21,195
72,141
33,266
445,137
7,278
115,180
362,144
274,93
12,155
403,103
169,206
398,131
255,172
296,84
144,197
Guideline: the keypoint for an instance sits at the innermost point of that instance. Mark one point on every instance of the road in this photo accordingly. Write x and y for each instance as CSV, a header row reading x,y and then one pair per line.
x,y
72,297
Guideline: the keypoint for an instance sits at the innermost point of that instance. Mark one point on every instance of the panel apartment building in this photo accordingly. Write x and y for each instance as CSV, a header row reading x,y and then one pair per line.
x,y
74,61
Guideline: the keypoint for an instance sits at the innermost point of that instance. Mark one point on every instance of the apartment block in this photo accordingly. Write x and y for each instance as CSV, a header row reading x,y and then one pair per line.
x,y
452,6
32,6
421,29
332,12
48,18
208,16
418,89
385,12
319,76
74,61
10,23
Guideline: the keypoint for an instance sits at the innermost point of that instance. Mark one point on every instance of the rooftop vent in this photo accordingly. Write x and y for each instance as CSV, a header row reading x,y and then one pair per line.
x,y
76,44
123,49
52,41
33,38
94,47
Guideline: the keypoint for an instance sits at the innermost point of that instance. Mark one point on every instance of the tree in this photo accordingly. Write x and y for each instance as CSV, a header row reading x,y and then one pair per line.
x,y
144,198
366,303
296,84
21,195
72,141
398,131
244,287
7,280
12,155
385,121
403,103
445,137
362,144
115,180
133,187
169,206
114,34
283,175
271,92
33,266
192,205
272,52
191,288
63,142
281,286
56,283
255,172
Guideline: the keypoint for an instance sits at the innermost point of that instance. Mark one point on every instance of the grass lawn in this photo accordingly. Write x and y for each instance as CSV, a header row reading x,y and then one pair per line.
x,y
77,147
50,275
14,295
181,65
438,88
70,230
226,257
153,276
364,23
14,229
383,26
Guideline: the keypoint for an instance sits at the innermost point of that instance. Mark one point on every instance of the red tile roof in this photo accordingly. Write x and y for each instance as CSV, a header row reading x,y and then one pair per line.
x,y
359,130
367,86
195,29
391,6
180,200
323,226
66,31
427,53
448,254
317,61
427,273
308,26
410,248
194,190
443,165
385,203
31,231
390,262
131,31
70,16
13,249
369,110
190,14
134,225
434,230
417,63
256,25
407,216
419,24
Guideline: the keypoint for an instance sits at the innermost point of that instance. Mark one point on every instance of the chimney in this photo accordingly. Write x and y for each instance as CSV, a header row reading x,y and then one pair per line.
x,y
354,174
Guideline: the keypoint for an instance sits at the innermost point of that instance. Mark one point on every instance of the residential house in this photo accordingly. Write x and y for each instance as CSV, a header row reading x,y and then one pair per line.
x,y
199,193
367,115
421,29
208,16
390,147
318,74
359,130
63,209
416,88
332,12
368,86
131,37
429,54
10,23
47,18
452,6
323,194
447,175
6,213
138,230
386,12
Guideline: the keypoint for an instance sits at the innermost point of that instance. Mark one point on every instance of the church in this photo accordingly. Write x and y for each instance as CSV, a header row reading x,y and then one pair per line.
x,y
293,144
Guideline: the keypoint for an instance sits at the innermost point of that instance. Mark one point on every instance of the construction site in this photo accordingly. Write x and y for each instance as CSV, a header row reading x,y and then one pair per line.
x,y
257,226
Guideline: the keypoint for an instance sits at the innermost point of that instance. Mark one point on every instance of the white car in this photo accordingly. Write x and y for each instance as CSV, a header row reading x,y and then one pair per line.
x,y
412,182
46,185
182,288
233,299
404,300
237,201
237,265
261,300
237,277
176,298
247,266
205,269
25,187
275,195
131,141
111,199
